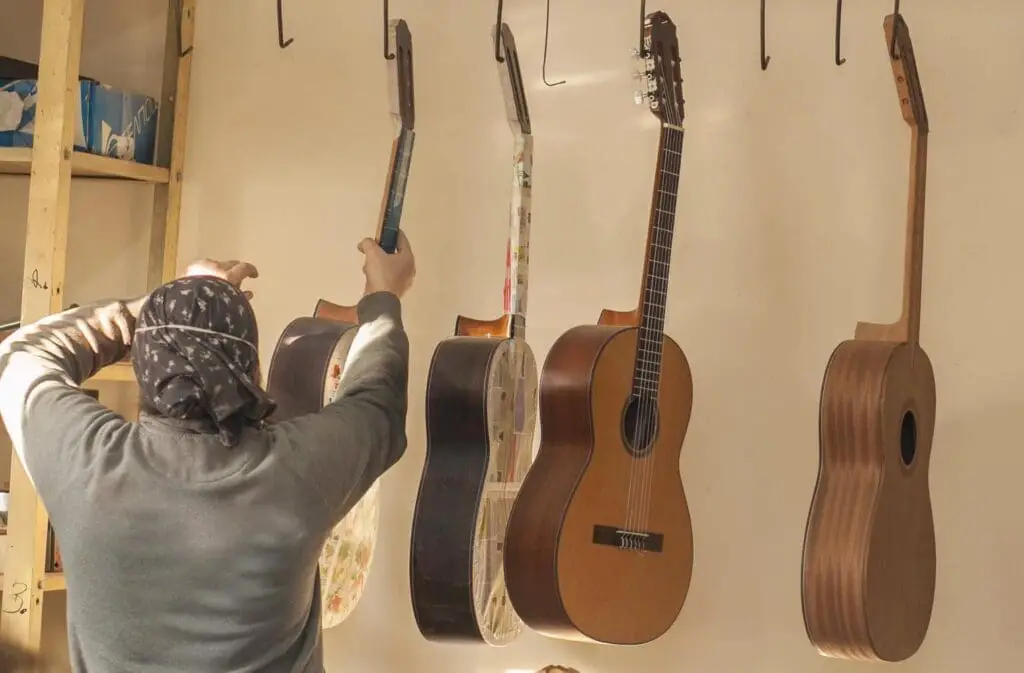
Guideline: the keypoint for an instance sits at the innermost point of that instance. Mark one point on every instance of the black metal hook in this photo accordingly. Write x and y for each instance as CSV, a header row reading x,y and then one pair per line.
x,y
544,62
497,36
280,27
177,26
839,31
892,44
388,54
764,57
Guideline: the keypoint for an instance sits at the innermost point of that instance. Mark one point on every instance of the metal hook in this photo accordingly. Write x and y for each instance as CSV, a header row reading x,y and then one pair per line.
x,y
280,27
839,31
497,36
178,13
764,57
892,45
544,63
388,54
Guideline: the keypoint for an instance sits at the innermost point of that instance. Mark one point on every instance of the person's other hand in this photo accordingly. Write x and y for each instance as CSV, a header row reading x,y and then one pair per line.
x,y
388,272
232,270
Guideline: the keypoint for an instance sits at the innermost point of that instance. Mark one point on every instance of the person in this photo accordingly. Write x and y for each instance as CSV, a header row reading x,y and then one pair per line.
x,y
190,540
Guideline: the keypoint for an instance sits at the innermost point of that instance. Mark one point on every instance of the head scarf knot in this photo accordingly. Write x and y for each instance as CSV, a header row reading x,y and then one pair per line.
x,y
196,355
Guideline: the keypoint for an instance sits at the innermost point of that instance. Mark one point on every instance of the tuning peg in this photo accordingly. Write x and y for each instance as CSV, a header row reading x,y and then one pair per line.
x,y
641,97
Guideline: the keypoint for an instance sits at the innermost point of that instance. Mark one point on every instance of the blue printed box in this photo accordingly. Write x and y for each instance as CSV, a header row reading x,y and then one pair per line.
x,y
121,125
18,112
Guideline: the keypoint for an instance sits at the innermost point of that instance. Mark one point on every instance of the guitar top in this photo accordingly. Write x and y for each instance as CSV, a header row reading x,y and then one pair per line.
x,y
869,550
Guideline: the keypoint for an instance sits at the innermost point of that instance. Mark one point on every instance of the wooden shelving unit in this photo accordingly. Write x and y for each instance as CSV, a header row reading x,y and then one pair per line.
x,y
51,164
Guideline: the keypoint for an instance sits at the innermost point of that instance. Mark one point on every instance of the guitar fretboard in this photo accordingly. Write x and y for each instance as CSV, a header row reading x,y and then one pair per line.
x,y
647,375
397,181
517,261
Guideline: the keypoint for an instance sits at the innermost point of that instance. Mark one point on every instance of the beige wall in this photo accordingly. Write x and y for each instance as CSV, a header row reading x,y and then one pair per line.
x,y
790,230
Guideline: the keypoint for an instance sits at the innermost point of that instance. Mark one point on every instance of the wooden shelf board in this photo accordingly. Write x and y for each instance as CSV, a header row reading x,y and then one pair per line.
x,y
18,161
121,372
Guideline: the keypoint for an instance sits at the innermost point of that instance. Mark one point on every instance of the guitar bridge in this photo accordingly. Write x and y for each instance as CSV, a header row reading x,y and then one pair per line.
x,y
628,540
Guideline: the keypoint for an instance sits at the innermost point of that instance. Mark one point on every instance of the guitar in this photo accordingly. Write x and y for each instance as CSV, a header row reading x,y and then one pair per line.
x,y
599,545
307,367
869,550
480,419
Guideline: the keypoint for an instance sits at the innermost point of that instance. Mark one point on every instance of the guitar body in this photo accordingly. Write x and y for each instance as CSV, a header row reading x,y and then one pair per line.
x,y
869,553
469,482
569,576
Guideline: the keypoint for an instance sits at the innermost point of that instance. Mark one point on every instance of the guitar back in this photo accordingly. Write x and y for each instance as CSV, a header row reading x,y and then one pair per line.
x,y
869,553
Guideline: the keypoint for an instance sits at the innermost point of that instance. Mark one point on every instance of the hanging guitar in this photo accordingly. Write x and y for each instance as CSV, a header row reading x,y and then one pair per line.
x,y
599,545
309,359
869,550
480,417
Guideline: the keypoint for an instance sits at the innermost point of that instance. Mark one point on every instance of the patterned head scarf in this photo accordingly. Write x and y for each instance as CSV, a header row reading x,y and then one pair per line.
x,y
196,355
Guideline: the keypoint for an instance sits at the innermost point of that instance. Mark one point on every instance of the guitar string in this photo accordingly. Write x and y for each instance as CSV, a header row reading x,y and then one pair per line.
x,y
659,278
664,234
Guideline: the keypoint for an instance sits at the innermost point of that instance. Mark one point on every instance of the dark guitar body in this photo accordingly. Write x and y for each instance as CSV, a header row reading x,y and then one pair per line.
x,y
869,552
451,488
304,356
565,577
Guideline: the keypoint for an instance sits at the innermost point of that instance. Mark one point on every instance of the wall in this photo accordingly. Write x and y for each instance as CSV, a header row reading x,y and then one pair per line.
x,y
790,230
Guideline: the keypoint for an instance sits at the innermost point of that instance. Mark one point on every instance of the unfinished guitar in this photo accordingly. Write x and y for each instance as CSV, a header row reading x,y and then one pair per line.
x,y
307,368
599,545
481,413
869,551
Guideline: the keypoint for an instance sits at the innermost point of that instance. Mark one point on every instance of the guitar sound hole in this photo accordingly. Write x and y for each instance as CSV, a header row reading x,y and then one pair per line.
x,y
908,438
640,425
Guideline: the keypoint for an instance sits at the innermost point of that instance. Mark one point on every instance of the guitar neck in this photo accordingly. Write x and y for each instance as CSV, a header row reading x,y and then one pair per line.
x,y
914,262
654,290
517,254
394,191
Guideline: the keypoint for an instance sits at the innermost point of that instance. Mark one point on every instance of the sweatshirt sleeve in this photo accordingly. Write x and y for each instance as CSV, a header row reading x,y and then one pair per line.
x,y
49,418
346,446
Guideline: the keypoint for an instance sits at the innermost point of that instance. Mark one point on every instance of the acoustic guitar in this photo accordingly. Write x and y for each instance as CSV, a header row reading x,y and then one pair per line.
x,y
480,419
599,545
869,550
308,364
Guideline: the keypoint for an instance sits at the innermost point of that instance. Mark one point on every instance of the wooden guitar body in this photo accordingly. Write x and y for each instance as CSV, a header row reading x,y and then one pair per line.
x,y
571,570
470,480
868,578
869,553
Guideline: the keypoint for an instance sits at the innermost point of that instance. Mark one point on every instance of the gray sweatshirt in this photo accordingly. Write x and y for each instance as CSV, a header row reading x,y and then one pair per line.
x,y
182,555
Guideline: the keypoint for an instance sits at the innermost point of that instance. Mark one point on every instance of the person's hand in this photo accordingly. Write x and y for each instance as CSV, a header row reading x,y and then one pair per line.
x,y
232,270
388,272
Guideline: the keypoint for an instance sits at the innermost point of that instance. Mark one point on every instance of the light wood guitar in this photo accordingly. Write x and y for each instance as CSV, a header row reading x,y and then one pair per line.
x,y
869,551
308,365
481,412
599,545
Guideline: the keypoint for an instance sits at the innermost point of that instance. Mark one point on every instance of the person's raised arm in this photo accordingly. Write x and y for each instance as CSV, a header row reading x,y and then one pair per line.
x,y
351,442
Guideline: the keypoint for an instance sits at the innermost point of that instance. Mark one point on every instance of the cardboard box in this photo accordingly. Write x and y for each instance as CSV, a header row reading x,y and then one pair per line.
x,y
121,124
18,112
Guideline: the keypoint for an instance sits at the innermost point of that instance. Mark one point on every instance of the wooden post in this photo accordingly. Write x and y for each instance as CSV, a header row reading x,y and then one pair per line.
x,y
43,293
163,240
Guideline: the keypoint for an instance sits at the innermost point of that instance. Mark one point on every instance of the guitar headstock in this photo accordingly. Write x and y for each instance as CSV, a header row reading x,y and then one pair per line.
x,y
511,79
403,101
904,70
661,75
